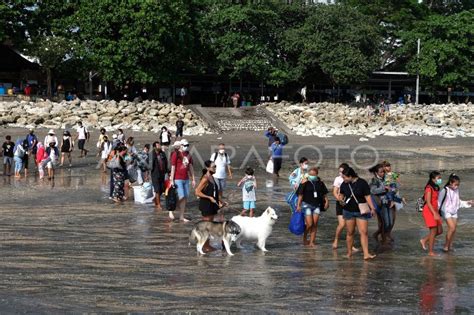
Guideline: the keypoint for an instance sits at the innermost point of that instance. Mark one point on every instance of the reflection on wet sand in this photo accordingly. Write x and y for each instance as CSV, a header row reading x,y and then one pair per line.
x,y
66,248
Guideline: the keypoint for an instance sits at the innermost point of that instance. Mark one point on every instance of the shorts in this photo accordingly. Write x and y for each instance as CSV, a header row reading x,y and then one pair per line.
x,y
221,183
348,215
249,205
450,215
182,186
81,144
310,210
7,160
338,209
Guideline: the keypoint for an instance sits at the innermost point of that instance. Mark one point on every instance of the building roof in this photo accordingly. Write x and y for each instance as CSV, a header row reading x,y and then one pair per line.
x,y
11,61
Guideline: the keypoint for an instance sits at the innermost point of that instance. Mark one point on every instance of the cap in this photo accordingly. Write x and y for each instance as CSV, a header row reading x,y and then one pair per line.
x,y
51,131
114,136
31,129
184,142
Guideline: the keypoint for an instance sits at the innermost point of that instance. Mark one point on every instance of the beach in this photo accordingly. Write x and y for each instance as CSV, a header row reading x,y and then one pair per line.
x,y
67,248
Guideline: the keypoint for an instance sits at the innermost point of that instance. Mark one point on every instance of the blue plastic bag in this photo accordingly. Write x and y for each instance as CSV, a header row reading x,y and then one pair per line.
x,y
297,224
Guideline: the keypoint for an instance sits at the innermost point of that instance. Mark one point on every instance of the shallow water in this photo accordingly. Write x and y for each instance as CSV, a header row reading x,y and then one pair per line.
x,y
66,247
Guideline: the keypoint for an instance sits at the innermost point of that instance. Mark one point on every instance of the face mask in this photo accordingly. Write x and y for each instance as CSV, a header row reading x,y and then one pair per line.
x,y
221,151
439,181
305,166
312,178
454,188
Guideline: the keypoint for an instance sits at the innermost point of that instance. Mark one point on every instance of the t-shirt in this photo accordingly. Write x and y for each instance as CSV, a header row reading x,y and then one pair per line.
x,y
48,139
179,124
360,188
81,131
277,150
181,161
221,161
248,189
338,181
8,148
313,192
31,138
165,137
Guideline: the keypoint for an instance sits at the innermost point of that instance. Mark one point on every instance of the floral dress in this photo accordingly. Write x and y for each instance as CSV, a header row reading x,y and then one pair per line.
x,y
119,180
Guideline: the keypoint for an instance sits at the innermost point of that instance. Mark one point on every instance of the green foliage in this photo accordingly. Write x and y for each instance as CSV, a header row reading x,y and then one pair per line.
x,y
337,40
271,41
142,41
242,38
447,49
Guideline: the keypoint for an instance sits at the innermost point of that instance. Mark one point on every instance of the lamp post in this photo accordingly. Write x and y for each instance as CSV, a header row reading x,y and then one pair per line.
x,y
418,75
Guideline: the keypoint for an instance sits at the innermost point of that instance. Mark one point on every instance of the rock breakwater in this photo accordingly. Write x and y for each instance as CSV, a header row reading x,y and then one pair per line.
x,y
329,119
142,116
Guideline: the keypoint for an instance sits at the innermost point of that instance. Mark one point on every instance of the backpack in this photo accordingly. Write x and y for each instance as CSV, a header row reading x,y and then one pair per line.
x,y
420,202
444,199
283,138
215,155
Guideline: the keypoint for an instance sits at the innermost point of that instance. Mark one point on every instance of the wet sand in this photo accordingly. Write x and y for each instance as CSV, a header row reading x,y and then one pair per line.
x,y
66,248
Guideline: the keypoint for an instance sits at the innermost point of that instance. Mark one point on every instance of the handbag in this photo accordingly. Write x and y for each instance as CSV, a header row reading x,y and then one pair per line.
x,y
270,166
297,224
363,207
114,163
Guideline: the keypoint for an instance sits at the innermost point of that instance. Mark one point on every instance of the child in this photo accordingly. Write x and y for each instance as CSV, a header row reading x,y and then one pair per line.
x,y
8,150
249,185
53,156
449,204
40,157
392,185
105,149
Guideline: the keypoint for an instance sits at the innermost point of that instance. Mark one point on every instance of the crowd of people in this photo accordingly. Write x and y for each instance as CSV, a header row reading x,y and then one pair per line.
x,y
164,166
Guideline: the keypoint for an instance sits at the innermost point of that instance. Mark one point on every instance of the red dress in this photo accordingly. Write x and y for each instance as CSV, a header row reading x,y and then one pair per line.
x,y
427,214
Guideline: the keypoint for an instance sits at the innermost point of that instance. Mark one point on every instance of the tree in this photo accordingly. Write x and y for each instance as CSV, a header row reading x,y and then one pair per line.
x,y
337,40
51,51
241,38
447,49
141,41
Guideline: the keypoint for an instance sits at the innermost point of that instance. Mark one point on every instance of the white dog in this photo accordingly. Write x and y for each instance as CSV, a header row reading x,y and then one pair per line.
x,y
258,228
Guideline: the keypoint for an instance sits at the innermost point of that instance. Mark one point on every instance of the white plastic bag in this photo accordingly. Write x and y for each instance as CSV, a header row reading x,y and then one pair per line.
x,y
270,166
143,194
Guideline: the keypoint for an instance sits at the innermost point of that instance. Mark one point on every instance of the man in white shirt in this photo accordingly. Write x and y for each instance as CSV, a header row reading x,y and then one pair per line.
x,y
82,137
222,161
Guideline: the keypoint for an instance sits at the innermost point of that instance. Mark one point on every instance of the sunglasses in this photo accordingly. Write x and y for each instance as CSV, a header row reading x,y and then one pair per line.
x,y
185,145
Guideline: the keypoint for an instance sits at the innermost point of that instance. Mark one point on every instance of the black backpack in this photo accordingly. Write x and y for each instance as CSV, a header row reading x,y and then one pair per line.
x,y
215,155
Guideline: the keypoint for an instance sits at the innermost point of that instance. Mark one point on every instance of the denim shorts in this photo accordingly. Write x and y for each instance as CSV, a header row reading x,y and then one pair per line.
x,y
348,215
310,210
7,160
182,186
249,205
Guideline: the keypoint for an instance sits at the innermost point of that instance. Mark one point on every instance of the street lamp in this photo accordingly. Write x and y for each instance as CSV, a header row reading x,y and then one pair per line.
x,y
418,74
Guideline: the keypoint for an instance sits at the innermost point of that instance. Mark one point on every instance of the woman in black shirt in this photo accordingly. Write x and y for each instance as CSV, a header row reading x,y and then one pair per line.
x,y
208,193
312,198
355,191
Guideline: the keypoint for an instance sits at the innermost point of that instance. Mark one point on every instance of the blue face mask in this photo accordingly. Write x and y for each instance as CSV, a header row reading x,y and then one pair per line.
x,y
439,181
313,178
